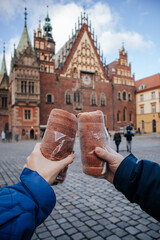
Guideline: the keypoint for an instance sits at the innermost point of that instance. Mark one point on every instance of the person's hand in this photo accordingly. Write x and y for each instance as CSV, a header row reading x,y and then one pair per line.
x,y
46,168
113,159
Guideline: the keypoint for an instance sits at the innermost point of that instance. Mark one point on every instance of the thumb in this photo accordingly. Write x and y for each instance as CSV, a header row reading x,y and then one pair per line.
x,y
66,161
103,154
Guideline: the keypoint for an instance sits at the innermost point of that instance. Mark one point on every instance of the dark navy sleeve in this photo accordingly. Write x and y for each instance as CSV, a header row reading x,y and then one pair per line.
x,y
24,206
140,183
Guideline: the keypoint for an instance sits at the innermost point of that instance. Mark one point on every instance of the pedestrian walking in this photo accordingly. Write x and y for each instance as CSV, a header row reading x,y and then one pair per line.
x,y
3,136
129,134
117,139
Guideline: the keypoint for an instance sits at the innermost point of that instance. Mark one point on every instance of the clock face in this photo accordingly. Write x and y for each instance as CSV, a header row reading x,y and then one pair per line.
x,y
86,80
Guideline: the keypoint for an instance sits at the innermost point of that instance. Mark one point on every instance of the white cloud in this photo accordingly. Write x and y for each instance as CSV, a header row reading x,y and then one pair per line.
x,y
64,15
9,9
112,41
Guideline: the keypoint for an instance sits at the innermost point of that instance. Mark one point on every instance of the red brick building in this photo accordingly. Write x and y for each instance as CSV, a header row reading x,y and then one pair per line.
x,y
75,79
123,91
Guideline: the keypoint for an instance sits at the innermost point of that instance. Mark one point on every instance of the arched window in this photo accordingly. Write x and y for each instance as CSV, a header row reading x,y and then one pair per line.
x,y
77,96
49,98
103,100
94,99
129,97
124,114
119,96
68,97
124,95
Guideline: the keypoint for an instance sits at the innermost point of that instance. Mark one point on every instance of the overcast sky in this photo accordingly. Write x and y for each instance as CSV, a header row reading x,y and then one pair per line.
x,y
134,22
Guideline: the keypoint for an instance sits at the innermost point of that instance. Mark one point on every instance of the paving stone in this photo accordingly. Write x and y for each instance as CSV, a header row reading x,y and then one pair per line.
x,y
132,230
105,233
57,232
129,237
71,231
84,228
77,223
91,223
119,232
78,236
142,227
153,226
63,237
153,234
113,237
66,225
90,234
97,228
113,219
44,235
144,236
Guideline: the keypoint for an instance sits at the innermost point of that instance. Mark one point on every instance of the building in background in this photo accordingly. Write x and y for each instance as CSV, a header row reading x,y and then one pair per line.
x,y
148,104
4,86
123,91
24,89
75,79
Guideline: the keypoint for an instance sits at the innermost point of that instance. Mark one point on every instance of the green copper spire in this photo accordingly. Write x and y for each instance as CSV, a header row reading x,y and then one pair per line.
x,y
25,40
47,26
3,67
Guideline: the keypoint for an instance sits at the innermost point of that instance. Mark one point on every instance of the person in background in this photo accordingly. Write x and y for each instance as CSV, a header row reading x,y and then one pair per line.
x,y
138,181
27,204
3,136
128,127
117,139
129,134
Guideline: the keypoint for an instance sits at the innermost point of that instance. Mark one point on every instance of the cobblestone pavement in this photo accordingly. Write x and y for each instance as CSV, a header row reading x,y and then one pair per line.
x,y
88,208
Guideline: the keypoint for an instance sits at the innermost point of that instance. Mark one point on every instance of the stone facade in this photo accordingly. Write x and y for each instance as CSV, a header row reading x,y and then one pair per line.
x,y
148,104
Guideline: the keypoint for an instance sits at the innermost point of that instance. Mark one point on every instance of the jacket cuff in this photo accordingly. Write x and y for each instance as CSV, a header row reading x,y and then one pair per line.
x,y
40,190
123,173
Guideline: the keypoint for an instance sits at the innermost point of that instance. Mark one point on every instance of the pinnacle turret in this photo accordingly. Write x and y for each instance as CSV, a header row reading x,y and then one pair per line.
x,y
3,67
47,26
25,40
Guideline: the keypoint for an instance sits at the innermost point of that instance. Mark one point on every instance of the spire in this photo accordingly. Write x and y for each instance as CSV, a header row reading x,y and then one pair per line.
x,y
3,67
25,17
123,46
25,40
47,26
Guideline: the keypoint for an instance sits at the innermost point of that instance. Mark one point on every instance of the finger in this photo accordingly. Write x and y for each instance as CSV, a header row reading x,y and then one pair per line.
x,y
37,147
101,153
66,161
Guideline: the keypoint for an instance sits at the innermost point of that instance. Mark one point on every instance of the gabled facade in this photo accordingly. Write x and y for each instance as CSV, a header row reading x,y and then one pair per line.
x,y
4,84
79,82
24,90
75,79
148,104
123,91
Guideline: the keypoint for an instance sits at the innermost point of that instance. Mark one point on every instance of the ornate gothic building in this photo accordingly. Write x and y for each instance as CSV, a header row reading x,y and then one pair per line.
x,y
75,79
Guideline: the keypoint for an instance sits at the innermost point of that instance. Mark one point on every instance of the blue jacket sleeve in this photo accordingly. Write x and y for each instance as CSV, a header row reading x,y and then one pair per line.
x,y
24,206
140,183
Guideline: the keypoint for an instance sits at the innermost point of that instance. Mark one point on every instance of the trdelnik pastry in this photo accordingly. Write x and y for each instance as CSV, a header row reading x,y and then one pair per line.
x,y
92,133
59,138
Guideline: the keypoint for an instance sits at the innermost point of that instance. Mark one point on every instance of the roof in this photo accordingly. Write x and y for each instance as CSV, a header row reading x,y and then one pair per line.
x,y
24,41
61,56
148,83
110,66
3,67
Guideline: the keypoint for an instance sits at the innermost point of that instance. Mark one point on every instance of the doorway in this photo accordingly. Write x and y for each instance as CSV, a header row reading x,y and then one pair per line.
x,y
154,125
32,134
